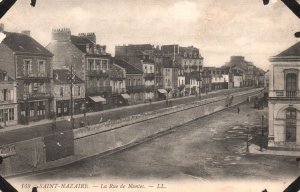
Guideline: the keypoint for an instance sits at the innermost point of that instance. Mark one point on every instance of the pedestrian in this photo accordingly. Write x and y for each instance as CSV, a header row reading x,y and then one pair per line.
x,y
238,110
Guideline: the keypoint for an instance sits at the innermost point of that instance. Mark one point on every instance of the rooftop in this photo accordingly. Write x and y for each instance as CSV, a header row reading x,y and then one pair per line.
x,y
21,43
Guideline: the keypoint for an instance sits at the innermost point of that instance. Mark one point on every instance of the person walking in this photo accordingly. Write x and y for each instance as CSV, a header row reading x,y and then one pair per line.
x,y
238,110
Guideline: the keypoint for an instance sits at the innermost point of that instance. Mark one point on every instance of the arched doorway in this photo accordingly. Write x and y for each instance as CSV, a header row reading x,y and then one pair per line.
x,y
291,124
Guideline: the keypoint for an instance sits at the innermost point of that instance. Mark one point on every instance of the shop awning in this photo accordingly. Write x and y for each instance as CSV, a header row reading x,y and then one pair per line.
x,y
163,91
98,99
125,96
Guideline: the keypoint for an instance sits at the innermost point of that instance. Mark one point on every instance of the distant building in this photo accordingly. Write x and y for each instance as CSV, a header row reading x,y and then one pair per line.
x,y
252,76
90,62
8,100
29,64
62,93
189,58
118,84
135,86
284,96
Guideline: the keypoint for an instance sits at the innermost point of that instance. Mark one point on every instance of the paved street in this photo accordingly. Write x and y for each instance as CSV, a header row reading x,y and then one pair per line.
x,y
209,148
27,133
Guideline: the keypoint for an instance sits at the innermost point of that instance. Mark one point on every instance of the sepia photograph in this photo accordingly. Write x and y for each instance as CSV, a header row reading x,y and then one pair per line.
x,y
149,95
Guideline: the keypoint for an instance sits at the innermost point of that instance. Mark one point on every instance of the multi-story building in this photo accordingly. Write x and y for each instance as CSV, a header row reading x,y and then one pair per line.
x,y
135,86
29,64
118,84
252,75
90,62
189,58
8,100
142,58
170,76
62,93
284,97
218,79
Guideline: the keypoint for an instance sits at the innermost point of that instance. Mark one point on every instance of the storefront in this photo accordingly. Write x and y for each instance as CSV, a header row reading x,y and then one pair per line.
x,y
33,110
63,107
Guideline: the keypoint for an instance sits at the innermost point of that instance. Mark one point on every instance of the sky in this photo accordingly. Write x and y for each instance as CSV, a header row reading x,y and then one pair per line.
x,y
219,28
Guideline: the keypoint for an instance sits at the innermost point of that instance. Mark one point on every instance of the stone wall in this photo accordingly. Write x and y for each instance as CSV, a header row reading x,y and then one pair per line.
x,y
29,156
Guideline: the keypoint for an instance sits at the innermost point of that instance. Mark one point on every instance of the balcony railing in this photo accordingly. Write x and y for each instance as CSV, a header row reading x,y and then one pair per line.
x,y
291,93
283,93
35,76
122,90
30,96
97,73
149,76
98,90
136,88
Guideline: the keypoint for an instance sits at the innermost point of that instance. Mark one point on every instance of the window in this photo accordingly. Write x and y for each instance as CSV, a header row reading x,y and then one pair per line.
x,y
42,88
291,82
41,67
11,114
4,94
129,82
98,66
104,64
78,90
27,68
291,116
31,107
90,65
61,91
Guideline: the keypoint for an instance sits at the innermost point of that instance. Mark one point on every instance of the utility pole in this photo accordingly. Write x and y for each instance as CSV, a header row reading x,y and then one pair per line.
x,y
199,83
71,95
262,132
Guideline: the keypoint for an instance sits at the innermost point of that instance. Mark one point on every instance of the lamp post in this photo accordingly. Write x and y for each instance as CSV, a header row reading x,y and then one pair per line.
x,y
71,97
200,80
262,132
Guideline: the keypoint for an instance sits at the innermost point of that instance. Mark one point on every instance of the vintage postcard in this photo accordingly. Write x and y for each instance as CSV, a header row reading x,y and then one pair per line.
x,y
149,95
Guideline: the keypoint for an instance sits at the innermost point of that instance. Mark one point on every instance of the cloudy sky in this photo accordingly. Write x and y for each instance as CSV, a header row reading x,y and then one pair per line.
x,y
219,28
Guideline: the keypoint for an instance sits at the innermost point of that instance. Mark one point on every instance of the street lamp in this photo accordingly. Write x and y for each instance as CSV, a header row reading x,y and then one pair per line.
x,y
200,80
262,132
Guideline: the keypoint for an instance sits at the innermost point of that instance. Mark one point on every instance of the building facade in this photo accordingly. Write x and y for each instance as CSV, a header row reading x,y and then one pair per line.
x,y
8,100
29,64
135,86
62,93
90,62
284,97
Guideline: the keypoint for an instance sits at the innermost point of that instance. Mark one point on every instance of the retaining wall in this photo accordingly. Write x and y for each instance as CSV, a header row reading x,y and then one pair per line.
x,y
30,155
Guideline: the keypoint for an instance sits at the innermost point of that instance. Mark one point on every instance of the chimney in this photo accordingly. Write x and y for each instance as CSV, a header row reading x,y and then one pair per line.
x,y
27,32
91,37
61,35
1,27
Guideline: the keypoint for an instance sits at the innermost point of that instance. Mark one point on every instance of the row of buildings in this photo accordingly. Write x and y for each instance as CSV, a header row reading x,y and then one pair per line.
x,y
37,82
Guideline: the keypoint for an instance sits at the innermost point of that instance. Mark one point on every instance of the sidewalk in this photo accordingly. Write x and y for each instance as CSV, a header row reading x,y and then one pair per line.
x,y
67,118
254,149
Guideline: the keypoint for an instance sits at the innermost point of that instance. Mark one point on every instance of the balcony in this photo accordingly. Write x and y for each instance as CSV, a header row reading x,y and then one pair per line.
x,y
149,76
291,93
35,76
149,88
120,90
135,89
97,73
283,93
98,90
33,96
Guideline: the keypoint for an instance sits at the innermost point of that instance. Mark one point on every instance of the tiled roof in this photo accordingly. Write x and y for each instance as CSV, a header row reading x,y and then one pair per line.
x,y
61,76
130,69
291,51
21,43
81,42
